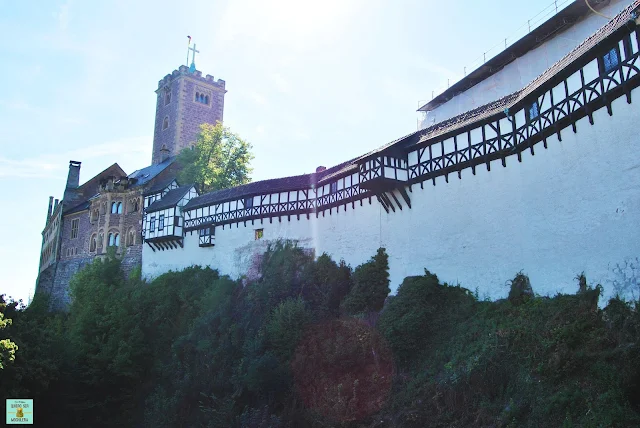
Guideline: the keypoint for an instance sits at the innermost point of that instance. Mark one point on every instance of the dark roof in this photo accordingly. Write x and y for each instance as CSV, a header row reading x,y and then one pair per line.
x,y
455,123
561,21
89,189
265,186
158,187
144,175
170,199
78,208
509,101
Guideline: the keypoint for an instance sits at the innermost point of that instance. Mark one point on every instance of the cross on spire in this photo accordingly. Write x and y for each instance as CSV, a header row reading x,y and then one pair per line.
x,y
193,58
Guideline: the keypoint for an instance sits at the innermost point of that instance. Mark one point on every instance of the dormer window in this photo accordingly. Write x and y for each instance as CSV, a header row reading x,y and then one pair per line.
x,y
533,111
611,60
165,123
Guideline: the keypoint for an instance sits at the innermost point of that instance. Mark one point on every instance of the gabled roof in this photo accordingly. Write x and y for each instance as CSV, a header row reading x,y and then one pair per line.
x,y
91,187
144,175
158,187
170,199
273,185
439,129
78,208
558,23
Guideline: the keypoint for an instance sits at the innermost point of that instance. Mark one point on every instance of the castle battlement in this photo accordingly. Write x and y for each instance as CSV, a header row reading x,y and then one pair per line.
x,y
183,70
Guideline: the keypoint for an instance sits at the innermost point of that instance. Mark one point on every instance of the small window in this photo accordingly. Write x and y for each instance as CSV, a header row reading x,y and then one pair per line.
x,y
131,238
533,110
161,222
111,240
119,208
152,224
611,60
206,236
259,234
114,208
167,98
116,240
248,202
74,228
206,99
165,123
334,187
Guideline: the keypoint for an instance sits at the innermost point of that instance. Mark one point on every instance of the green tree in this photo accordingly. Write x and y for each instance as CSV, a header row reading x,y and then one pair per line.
x,y
219,160
7,347
370,285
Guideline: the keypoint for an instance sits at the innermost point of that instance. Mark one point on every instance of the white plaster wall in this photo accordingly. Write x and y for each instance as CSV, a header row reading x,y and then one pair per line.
x,y
570,208
525,69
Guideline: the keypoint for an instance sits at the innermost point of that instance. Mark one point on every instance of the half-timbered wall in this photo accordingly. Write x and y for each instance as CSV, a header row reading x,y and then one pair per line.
x,y
569,208
548,187
524,69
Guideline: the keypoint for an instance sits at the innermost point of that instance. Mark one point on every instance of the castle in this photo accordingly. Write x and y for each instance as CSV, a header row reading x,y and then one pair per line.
x,y
518,166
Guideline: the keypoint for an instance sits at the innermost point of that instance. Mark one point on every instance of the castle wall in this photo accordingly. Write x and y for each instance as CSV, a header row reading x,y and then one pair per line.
x,y
570,208
523,70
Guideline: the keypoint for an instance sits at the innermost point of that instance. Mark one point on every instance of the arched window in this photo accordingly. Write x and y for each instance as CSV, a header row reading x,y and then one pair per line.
x,y
114,208
111,240
167,97
119,207
116,240
131,238
93,243
197,96
206,99
165,123
100,240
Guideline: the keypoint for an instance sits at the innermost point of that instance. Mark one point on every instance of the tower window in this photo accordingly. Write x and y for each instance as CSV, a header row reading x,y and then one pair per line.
x,y
167,98
202,98
74,228
610,60
165,123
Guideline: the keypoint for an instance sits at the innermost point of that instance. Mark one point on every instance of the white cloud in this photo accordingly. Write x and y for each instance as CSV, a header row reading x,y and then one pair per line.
x,y
63,17
134,150
281,83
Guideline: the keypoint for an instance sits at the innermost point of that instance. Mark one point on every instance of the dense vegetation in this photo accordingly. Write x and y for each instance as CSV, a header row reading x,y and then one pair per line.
x,y
308,345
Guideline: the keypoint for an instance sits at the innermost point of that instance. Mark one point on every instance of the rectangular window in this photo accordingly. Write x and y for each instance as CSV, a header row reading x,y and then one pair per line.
x,y
533,110
611,60
259,234
206,237
161,222
152,224
248,202
334,187
74,228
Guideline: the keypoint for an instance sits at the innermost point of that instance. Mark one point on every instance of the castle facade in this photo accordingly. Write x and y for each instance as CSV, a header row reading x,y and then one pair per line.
x,y
542,178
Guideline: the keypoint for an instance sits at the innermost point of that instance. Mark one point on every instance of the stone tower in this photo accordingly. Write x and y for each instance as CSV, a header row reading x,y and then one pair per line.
x,y
185,100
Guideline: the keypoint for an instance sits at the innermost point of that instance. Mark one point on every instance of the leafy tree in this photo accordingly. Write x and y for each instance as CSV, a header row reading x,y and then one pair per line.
x,y
219,160
370,285
7,347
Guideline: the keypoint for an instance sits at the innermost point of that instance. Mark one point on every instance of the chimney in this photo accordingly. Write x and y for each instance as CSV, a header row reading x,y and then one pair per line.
x,y
73,180
49,211
164,154
56,204
320,169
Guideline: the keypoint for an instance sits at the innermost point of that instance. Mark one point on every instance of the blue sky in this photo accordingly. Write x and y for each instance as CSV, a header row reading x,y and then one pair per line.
x,y
309,84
